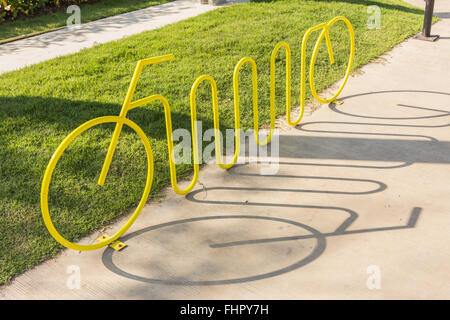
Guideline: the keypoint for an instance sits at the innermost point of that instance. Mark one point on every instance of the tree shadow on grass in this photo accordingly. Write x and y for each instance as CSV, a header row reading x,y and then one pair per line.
x,y
66,114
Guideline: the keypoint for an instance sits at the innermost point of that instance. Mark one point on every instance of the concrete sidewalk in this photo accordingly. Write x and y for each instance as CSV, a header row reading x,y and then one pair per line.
x,y
18,54
362,187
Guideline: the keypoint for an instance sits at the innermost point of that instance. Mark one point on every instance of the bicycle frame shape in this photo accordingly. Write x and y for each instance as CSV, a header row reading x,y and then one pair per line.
x,y
128,105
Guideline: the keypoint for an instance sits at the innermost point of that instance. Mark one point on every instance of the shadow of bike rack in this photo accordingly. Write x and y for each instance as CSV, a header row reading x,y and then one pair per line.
x,y
426,143
200,196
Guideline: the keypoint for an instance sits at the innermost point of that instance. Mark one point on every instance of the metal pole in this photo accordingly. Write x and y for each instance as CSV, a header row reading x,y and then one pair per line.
x,y
428,18
429,6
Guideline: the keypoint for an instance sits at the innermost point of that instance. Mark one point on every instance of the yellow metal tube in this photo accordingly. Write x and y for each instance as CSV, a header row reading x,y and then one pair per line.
x,y
350,59
128,104
51,167
124,110
272,84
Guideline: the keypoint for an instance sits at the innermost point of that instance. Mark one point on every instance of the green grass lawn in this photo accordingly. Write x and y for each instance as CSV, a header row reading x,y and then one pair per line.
x,y
41,104
89,12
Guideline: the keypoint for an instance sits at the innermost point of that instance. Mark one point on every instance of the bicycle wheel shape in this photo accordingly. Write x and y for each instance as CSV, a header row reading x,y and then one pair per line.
x,y
51,167
324,34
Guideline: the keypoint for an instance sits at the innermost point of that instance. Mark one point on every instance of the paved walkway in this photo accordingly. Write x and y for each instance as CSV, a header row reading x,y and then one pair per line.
x,y
362,188
18,54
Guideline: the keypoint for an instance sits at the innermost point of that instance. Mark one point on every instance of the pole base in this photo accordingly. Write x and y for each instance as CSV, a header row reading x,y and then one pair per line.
x,y
431,38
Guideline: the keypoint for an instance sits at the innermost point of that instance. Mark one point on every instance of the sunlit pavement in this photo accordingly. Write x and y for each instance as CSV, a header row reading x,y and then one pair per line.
x,y
358,208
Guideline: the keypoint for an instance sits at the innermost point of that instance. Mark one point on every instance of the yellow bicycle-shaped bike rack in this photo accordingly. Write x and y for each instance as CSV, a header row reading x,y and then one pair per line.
x,y
128,105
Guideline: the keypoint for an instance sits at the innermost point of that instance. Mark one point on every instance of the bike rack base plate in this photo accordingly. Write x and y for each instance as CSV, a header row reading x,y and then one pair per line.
x,y
431,38
116,245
